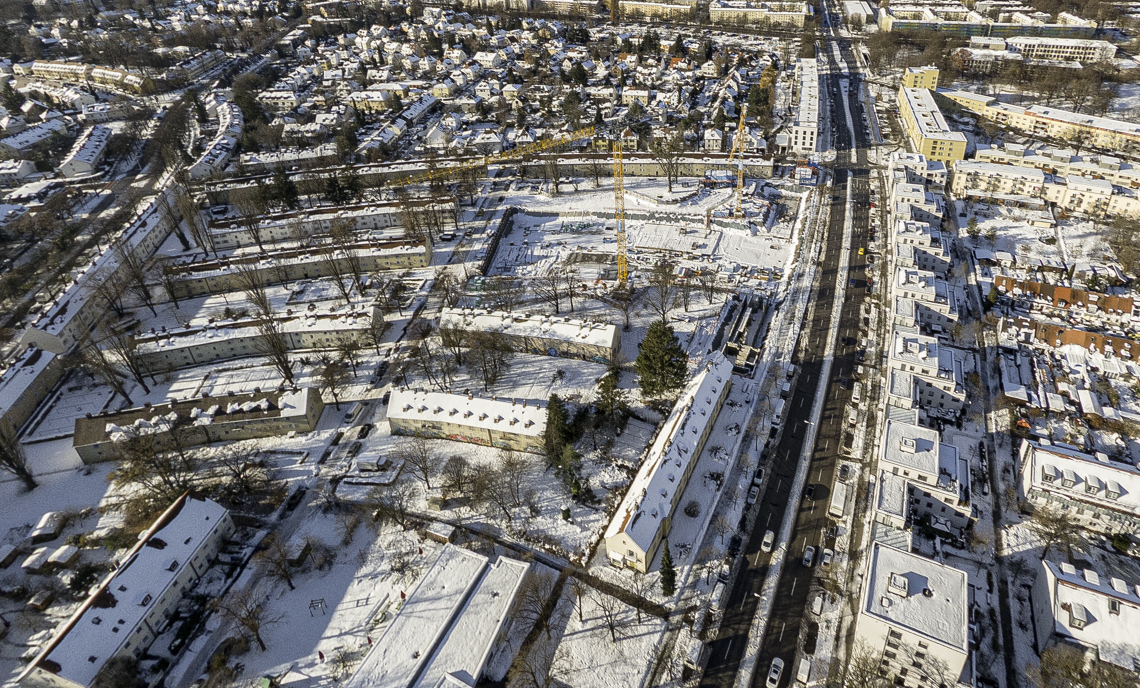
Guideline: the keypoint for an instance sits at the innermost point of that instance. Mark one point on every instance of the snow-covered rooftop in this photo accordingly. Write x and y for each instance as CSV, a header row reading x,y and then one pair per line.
x,y
23,373
1076,593
647,504
517,416
922,451
406,648
917,594
537,326
97,632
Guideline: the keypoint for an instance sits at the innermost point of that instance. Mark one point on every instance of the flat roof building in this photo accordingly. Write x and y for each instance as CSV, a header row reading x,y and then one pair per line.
x,y
509,423
927,128
805,128
540,334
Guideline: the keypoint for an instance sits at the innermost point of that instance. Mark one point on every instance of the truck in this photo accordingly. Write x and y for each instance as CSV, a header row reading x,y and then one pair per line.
x,y
838,499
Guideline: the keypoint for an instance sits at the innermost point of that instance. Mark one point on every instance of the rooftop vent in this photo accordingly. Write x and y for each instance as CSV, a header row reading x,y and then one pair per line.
x,y
898,584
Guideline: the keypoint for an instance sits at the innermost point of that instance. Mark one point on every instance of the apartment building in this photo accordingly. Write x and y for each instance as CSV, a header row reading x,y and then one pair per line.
x,y
1042,121
190,346
80,308
926,375
217,276
199,421
133,605
927,129
15,172
1101,493
761,13
221,148
955,19
85,154
914,168
23,385
915,202
257,163
921,246
1048,336
936,476
645,515
516,424
1099,612
921,77
677,10
914,616
1064,49
805,128
295,225
540,334
1062,162
23,143
1030,187
929,289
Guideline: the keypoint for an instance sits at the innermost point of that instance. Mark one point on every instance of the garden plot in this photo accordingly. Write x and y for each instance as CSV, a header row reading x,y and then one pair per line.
x,y
1010,232
1085,242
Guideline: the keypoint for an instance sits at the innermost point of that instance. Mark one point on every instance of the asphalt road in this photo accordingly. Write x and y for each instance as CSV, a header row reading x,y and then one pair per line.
x,y
812,521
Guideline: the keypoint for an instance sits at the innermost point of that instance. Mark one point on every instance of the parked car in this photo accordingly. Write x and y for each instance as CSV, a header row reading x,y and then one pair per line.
x,y
809,556
844,472
753,494
769,539
774,673
825,558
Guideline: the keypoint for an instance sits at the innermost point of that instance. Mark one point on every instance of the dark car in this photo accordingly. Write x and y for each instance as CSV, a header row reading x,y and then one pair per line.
x,y
843,382
809,492
364,430
861,355
354,449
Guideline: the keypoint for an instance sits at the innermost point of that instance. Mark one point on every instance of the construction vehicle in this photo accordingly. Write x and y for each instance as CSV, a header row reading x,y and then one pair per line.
x,y
737,156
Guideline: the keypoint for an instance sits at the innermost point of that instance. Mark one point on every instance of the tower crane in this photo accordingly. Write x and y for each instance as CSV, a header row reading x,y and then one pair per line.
x,y
619,213
737,148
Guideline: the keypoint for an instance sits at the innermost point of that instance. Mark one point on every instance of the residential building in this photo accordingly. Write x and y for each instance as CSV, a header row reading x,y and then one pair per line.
x,y
937,477
448,628
23,385
189,346
930,377
1048,336
675,10
920,245
926,128
645,515
510,424
915,202
914,616
135,603
204,420
84,156
1055,300
914,168
1062,162
255,163
1045,48
15,172
294,225
19,145
1033,188
934,293
218,152
1095,611
805,127
1101,493
1039,121
217,276
750,12
540,334
954,19
921,77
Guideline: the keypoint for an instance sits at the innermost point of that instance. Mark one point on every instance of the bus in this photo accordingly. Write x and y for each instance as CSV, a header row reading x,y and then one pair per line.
x,y
838,499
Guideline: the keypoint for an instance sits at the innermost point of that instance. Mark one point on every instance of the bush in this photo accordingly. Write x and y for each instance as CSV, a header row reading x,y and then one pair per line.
x,y
1121,543
693,509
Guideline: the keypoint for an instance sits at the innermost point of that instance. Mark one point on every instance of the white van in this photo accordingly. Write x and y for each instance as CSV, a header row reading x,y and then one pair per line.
x,y
803,673
353,412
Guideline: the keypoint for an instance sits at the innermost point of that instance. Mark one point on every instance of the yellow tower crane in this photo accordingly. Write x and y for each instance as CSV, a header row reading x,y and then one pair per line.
x,y
737,148
619,213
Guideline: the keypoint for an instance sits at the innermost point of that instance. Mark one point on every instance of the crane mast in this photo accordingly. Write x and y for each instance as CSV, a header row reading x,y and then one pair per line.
x,y
737,147
619,213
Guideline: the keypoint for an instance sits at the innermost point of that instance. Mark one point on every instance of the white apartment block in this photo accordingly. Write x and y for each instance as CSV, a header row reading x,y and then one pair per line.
x,y
14,172
645,515
926,375
1099,612
1062,49
254,163
516,424
1063,162
217,154
540,334
1033,187
132,607
759,13
1102,494
184,347
914,616
23,385
28,139
295,225
914,168
936,476
933,292
915,202
805,128
921,245
86,153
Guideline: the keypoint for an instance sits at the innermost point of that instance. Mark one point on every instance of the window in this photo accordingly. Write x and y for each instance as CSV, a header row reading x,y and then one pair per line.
x,y
895,635
1114,607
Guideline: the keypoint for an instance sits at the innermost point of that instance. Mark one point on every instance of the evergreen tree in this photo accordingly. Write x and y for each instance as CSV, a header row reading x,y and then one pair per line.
x,y
668,575
661,363
285,189
611,398
557,434
678,49
568,468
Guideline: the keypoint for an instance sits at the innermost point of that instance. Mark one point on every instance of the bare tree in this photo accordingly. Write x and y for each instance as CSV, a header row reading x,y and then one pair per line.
x,y
274,557
97,363
455,340
14,461
549,288
157,465
448,287
420,458
863,668
504,293
333,376
612,611
343,237
581,590
134,273
621,299
250,208
533,600
393,503
348,350
668,154
271,341
110,290
193,218
457,476
1065,665
597,168
545,666
334,267
513,467
490,353
489,487
663,280
1055,529
121,346
246,608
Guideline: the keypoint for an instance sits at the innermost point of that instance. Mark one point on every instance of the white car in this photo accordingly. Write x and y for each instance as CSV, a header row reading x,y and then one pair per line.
x,y
774,673
753,494
769,538
825,559
809,556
